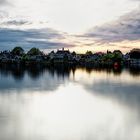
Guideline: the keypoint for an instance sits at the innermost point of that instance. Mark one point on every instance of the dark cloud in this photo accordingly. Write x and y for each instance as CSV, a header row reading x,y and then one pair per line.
x,y
15,22
126,28
41,38
4,2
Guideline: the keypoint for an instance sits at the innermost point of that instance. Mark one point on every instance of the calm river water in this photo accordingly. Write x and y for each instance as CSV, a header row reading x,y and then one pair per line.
x,y
69,104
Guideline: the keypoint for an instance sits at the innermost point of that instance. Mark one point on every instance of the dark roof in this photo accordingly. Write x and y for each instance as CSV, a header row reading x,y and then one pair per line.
x,y
63,52
135,50
135,53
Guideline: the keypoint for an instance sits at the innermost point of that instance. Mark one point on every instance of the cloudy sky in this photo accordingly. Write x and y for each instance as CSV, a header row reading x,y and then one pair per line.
x,y
79,25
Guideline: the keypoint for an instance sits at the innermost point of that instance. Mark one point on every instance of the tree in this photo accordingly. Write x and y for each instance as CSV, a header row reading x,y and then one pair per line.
x,y
25,57
17,51
118,56
34,51
74,53
89,53
108,56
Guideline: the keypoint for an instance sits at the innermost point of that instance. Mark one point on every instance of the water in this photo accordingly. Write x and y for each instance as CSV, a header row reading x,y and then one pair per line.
x,y
69,104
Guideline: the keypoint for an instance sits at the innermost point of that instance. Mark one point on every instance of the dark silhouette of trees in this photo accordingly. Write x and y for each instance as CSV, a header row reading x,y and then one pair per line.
x,y
34,51
17,51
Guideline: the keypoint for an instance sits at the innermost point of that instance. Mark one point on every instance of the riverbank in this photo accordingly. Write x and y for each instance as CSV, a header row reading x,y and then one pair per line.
x,y
115,59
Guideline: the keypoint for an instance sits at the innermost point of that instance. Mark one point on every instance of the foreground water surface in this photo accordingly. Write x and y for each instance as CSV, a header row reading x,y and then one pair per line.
x,y
69,104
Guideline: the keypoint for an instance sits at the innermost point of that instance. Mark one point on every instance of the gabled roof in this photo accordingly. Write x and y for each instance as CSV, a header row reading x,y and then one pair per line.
x,y
135,50
63,51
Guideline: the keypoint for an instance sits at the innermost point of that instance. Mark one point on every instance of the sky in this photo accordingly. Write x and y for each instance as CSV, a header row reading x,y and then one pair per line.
x,y
79,25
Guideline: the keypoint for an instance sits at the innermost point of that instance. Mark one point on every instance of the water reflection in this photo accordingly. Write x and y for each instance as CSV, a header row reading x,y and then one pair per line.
x,y
69,103
38,77
18,71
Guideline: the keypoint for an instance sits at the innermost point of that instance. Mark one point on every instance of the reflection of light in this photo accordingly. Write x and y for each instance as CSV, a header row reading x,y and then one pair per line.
x,y
82,76
68,113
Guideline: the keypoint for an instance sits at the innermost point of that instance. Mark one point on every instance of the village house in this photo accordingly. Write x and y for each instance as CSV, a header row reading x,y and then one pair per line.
x,y
5,56
36,58
135,57
61,55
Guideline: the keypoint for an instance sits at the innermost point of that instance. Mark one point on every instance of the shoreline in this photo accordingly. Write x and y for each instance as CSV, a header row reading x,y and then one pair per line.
x,y
115,59
67,64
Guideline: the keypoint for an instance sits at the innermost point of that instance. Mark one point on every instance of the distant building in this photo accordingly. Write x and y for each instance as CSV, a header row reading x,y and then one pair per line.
x,y
61,55
135,57
135,54
36,58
